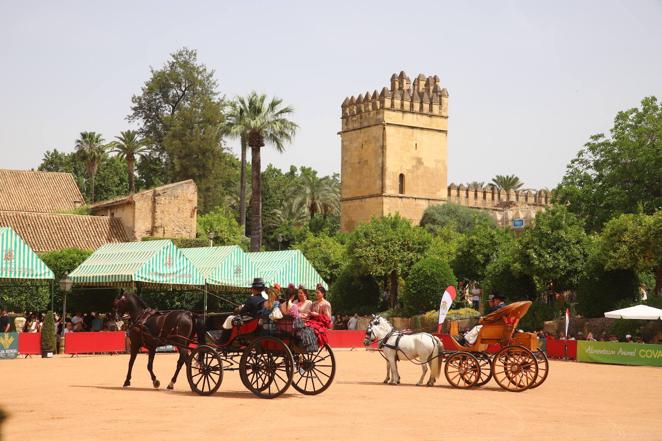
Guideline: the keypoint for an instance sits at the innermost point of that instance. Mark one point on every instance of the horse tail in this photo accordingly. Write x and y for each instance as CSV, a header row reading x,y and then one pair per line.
x,y
200,329
436,357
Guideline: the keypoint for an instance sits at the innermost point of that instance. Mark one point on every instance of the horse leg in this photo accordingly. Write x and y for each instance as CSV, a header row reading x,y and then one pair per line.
x,y
134,352
393,363
180,362
150,365
424,368
388,372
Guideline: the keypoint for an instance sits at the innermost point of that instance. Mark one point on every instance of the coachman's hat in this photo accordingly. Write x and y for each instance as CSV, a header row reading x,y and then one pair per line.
x,y
258,283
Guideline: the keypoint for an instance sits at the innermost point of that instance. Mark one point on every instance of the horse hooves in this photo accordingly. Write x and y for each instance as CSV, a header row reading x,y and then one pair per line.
x,y
126,384
171,386
157,384
385,381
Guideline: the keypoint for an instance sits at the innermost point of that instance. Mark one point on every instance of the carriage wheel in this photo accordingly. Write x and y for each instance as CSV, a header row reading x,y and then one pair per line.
x,y
485,363
462,370
314,371
515,368
543,368
266,367
204,370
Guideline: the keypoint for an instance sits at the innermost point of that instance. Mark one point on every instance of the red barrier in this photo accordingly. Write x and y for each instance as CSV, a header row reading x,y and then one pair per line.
x,y
346,339
557,348
29,343
90,342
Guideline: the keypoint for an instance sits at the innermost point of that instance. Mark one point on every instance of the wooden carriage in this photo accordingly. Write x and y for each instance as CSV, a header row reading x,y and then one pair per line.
x,y
269,357
518,364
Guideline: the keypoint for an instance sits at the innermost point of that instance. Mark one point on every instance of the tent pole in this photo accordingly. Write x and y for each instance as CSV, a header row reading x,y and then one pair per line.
x,y
204,313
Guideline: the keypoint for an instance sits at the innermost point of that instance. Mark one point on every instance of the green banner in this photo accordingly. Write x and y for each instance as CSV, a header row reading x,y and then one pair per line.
x,y
8,345
619,353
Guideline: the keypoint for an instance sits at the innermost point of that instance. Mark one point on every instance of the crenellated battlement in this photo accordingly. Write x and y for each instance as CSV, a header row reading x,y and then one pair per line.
x,y
492,197
423,95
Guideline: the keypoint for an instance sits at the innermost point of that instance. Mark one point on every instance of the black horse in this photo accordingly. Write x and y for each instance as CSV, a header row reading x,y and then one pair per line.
x,y
151,328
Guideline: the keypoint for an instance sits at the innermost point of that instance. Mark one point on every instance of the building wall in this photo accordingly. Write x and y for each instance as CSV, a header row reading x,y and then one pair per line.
x,y
167,211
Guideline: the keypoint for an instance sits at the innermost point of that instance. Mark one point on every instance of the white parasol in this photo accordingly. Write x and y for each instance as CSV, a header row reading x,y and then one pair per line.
x,y
639,312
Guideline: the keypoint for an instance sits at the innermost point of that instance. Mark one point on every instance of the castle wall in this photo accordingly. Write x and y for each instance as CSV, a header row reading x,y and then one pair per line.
x,y
362,210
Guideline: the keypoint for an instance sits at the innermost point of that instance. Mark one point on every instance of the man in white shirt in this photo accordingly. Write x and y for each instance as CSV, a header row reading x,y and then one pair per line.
x,y
353,322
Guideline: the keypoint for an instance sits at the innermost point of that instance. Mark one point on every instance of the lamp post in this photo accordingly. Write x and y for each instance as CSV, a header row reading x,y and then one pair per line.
x,y
65,286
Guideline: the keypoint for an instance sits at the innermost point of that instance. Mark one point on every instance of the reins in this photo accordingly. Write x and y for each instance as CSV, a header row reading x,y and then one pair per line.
x,y
383,343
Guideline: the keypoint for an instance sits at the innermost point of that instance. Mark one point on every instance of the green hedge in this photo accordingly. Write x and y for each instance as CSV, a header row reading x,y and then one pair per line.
x,y
425,284
183,242
354,292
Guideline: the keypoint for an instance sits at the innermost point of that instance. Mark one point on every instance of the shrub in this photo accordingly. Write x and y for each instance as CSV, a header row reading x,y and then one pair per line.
x,y
354,292
48,343
459,218
425,284
325,253
536,317
620,328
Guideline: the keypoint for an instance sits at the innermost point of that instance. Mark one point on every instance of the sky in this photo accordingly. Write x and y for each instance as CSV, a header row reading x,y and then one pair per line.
x,y
529,82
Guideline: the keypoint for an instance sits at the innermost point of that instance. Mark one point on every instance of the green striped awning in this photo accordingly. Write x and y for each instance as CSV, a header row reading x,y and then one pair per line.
x,y
285,267
18,261
156,262
226,266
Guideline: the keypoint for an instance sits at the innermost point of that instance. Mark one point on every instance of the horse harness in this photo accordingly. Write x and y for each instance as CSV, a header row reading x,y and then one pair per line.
x,y
383,343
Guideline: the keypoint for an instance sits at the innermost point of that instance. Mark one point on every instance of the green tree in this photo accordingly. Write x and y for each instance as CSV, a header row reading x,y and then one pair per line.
x,y
225,229
181,115
555,249
325,253
617,174
112,179
387,248
129,147
425,285
354,291
62,262
503,275
265,122
507,182
92,151
634,242
461,219
320,195
477,249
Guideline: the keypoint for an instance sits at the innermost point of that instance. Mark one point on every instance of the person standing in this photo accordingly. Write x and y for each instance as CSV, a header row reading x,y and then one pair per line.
x,y
4,321
353,322
475,297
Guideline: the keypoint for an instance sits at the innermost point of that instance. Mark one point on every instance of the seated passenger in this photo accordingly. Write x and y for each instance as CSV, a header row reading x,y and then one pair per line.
x,y
288,299
251,306
320,306
302,304
496,302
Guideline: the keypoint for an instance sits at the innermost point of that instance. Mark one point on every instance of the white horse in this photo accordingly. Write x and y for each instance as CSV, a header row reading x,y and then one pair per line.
x,y
421,348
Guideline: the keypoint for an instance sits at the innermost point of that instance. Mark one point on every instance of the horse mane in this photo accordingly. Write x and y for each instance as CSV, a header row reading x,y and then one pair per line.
x,y
139,301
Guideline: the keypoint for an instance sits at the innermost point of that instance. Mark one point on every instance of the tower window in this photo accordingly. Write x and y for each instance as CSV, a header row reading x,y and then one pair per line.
x,y
401,184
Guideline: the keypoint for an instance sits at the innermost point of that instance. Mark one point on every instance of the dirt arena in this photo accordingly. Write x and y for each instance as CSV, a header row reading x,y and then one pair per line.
x,y
81,399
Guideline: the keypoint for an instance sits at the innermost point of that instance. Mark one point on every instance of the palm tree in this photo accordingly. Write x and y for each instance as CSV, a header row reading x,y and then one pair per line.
x,y
129,147
91,149
235,126
263,122
321,195
293,212
507,182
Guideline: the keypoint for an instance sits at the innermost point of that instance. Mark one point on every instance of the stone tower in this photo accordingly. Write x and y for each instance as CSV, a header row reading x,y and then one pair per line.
x,y
394,150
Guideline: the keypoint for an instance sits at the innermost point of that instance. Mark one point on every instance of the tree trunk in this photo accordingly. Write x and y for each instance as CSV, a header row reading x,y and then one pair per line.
x,y
131,165
92,188
394,288
256,200
242,186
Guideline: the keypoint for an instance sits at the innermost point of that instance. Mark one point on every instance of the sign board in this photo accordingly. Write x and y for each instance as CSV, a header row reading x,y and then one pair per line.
x,y
619,353
8,345
518,223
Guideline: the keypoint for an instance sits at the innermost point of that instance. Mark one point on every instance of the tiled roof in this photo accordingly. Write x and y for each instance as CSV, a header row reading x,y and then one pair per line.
x,y
48,232
38,192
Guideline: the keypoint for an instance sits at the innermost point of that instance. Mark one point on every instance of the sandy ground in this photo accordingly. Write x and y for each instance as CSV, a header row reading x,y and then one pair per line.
x,y
81,398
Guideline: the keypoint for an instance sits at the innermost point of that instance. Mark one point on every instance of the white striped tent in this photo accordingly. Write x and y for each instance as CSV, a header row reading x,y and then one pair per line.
x,y
285,267
227,266
18,261
155,263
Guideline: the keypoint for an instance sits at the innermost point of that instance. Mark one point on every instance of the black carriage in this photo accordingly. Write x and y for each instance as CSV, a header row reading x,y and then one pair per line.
x,y
270,356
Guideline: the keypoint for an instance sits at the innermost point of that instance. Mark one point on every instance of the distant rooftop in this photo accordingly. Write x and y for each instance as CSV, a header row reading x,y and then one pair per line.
x,y
38,192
